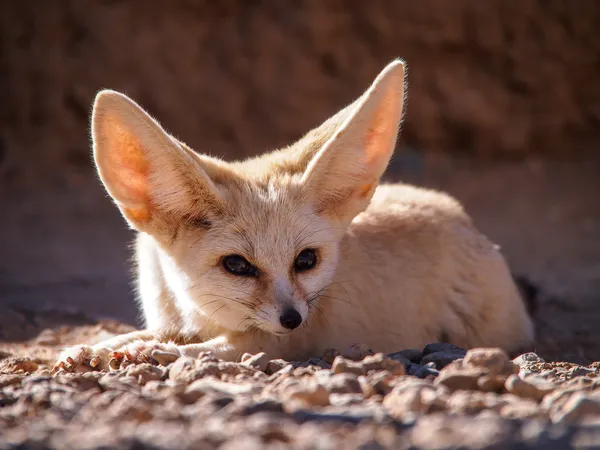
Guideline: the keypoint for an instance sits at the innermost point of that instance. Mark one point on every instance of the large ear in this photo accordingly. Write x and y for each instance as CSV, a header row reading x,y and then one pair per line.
x,y
151,178
341,178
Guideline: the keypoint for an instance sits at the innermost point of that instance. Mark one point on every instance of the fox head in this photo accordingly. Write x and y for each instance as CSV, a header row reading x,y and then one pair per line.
x,y
250,243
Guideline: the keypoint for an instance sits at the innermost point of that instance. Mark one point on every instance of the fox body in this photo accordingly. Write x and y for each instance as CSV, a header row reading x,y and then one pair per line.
x,y
300,249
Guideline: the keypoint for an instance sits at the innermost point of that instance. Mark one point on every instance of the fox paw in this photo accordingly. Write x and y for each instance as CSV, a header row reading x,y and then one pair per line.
x,y
152,352
83,358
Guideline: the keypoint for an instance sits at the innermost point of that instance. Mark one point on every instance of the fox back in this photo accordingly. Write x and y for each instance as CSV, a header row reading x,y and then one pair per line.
x,y
300,246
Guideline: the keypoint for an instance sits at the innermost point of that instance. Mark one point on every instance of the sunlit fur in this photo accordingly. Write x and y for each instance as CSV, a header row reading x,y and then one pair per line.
x,y
397,266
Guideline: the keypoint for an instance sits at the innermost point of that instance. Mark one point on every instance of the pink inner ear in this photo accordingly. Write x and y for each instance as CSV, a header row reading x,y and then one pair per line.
x,y
125,165
382,129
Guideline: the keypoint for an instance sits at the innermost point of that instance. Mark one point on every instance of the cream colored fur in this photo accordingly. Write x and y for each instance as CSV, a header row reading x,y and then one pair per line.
x,y
398,266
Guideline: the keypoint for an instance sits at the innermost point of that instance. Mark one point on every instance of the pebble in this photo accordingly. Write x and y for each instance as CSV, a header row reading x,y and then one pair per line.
x,y
426,370
260,361
440,359
330,354
459,380
443,347
357,352
343,383
523,388
476,400
343,365
275,365
379,361
493,360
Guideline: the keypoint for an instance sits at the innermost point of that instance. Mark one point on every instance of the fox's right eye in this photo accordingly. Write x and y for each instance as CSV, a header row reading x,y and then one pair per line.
x,y
238,265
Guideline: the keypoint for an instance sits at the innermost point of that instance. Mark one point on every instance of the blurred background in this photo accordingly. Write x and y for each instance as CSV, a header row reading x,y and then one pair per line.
x,y
503,112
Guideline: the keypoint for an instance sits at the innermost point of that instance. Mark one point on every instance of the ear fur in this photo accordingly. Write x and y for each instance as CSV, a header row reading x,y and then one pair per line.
x,y
341,178
149,175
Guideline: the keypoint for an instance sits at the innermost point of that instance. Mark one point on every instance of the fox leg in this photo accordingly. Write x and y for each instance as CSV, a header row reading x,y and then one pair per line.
x,y
83,358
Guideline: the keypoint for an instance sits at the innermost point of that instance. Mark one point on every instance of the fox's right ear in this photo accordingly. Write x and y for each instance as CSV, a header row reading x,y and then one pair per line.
x,y
151,178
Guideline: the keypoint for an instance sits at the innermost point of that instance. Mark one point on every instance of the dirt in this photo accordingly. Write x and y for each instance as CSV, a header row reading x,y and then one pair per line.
x,y
417,398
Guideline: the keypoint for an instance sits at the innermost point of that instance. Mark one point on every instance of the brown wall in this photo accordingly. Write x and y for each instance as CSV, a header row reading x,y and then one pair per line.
x,y
501,78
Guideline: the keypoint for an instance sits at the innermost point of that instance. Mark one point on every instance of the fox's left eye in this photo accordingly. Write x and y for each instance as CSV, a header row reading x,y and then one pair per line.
x,y
306,259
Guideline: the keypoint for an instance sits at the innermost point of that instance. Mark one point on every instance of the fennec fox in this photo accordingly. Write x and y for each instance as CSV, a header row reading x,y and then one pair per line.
x,y
297,250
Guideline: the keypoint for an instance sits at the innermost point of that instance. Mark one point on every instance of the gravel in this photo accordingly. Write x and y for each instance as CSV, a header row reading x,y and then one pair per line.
x,y
432,398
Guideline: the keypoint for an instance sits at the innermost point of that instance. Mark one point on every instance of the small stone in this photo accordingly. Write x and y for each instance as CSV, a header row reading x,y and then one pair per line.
x,y
440,359
357,352
459,380
381,362
522,388
527,359
491,383
494,360
343,365
580,371
427,370
412,354
443,347
275,365
309,393
343,383
9,380
18,365
260,361
413,400
579,405
212,385
522,410
144,373
401,359
330,354
47,337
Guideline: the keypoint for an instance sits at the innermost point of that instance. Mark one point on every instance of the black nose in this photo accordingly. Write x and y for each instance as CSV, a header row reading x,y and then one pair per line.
x,y
290,319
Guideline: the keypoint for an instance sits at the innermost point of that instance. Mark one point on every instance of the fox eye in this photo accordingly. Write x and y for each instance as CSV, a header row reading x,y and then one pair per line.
x,y
238,265
306,260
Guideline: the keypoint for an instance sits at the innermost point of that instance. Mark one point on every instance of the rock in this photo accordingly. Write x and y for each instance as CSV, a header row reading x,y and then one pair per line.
x,y
346,399
381,362
459,380
47,337
343,383
343,365
413,400
381,382
491,383
493,360
212,385
12,379
275,365
523,388
260,361
357,352
18,365
440,359
580,371
527,359
307,393
330,354
579,406
398,357
427,370
414,355
145,372
523,410
187,370
442,347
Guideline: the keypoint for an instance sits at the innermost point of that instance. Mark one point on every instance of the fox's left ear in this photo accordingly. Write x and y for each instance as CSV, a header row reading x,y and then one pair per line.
x,y
341,178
